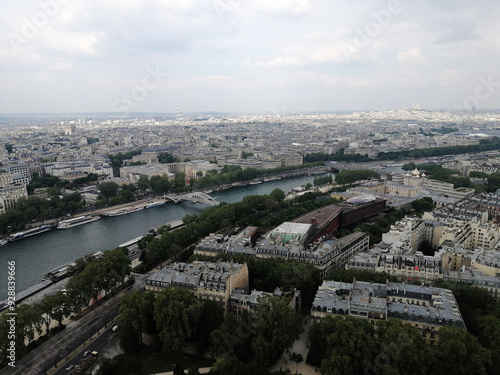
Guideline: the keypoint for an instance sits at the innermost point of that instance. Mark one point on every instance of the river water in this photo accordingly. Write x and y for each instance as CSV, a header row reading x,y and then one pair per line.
x,y
37,255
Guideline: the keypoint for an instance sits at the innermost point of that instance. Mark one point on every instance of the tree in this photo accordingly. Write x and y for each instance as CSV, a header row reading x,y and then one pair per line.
x,y
143,242
349,346
233,337
460,353
347,276
488,328
409,166
426,248
176,312
160,184
143,183
135,318
424,204
166,158
119,365
278,195
109,189
233,366
212,317
178,369
349,177
61,306
401,349
179,182
276,326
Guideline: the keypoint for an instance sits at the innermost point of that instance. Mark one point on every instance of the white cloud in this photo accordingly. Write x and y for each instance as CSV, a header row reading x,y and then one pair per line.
x,y
292,46
413,59
59,66
278,62
44,77
451,77
279,8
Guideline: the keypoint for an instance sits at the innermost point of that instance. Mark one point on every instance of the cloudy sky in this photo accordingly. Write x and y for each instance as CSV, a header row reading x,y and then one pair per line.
x,y
248,55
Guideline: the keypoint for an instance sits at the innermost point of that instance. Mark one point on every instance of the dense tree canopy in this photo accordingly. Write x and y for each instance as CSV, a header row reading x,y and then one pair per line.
x,y
275,328
117,160
136,316
176,313
462,354
166,158
424,204
350,177
101,274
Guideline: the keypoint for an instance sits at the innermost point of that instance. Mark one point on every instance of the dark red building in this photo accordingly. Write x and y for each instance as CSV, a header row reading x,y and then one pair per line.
x,y
330,218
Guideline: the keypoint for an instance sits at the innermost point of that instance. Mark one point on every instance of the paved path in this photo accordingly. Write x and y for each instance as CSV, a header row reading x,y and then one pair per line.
x,y
300,346
204,370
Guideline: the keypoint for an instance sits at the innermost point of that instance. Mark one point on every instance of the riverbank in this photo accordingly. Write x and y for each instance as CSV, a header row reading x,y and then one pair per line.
x,y
37,255
144,201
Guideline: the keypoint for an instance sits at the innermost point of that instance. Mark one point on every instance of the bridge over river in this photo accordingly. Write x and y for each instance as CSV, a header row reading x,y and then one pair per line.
x,y
197,197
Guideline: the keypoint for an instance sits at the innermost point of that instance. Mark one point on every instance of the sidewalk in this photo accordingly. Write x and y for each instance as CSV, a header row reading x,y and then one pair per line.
x,y
203,370
300,346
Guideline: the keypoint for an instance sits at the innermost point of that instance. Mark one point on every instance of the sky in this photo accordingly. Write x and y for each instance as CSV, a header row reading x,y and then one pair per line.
x,y
248,56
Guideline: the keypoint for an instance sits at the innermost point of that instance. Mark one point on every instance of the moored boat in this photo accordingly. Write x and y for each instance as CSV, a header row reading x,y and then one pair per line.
x,y
131,242
154,204
124,211
30,232
70,223
3,242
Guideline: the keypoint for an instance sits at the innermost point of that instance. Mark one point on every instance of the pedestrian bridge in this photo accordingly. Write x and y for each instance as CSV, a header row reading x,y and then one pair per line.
x,y
197,197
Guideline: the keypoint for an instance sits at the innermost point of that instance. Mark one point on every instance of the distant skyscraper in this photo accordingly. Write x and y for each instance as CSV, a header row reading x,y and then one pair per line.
x,y
178,115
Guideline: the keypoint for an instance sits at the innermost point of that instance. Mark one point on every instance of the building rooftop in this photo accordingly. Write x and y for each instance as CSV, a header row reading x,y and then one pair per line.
x,y
192,275
398,300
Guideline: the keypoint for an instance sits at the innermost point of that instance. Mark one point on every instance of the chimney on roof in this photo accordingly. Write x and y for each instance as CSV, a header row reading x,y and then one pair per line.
x,y
314,220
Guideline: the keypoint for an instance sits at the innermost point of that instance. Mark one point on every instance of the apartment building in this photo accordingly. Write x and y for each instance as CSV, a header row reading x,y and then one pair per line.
x,y
241,301
426,308
214,281
409,231
10,192
215,244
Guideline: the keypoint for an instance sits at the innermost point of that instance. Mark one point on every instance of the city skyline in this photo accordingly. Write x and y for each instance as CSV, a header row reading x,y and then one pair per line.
x,y
247,56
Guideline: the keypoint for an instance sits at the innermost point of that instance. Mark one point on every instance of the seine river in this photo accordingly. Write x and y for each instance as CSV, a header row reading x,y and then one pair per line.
x,y
37,255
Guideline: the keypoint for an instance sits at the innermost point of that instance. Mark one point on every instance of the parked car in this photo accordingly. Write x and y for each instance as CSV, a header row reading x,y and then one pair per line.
x,y
69,368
